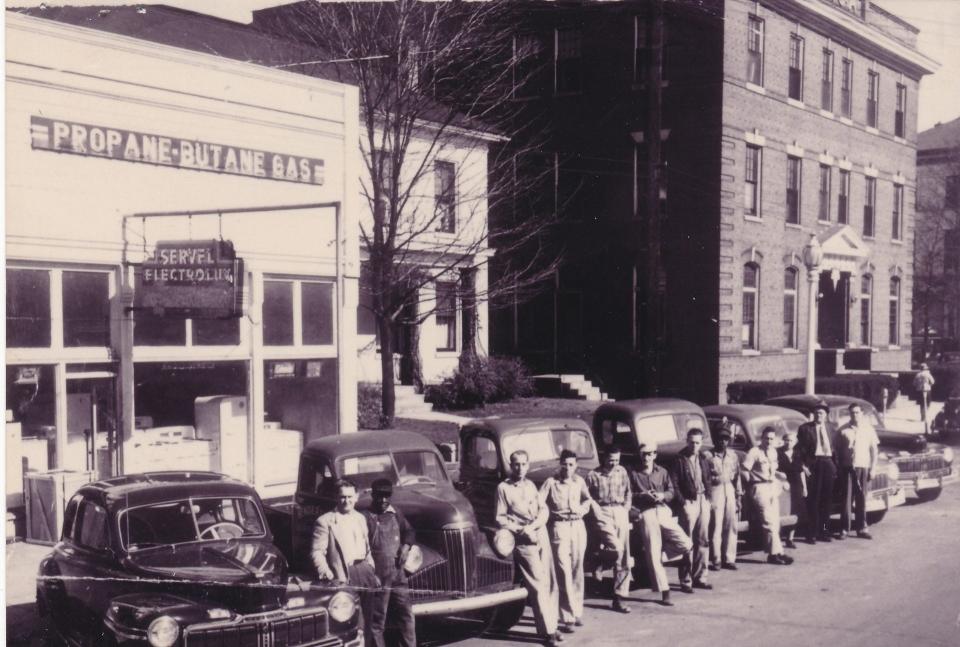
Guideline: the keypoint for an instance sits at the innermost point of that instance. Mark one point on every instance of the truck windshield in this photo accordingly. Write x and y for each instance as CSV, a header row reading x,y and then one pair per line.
x,y
187,520
545,445
411,467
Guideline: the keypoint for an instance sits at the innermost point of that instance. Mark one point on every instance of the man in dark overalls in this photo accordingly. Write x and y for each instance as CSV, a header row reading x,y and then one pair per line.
x,y
391,538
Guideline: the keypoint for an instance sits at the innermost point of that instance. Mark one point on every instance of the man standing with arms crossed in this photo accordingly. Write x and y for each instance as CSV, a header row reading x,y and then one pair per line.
x,y
653,491
566,496
815,445
857,452
609,487
690,473
726,493
761,464
521,511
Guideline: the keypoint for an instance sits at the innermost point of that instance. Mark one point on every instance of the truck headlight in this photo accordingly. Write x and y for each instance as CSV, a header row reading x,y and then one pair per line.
x,y
503,543
893,472
163,632
948,454
342,606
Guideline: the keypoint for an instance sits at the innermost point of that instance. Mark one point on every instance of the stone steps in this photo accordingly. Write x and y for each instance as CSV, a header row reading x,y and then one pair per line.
x,y
409,403
568,385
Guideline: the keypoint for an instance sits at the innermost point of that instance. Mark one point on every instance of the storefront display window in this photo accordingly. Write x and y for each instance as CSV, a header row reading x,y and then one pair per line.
x,y
278,313
86,309
301,394
317,305
216,332
297,312
165,391
152,330
28,308
31,401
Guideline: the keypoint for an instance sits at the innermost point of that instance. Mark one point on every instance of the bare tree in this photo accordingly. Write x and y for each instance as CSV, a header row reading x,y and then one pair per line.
x,y
433,77
936,278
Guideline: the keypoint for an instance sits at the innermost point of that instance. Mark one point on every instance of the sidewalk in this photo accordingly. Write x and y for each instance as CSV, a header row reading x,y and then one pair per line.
x,y
905,415
20,589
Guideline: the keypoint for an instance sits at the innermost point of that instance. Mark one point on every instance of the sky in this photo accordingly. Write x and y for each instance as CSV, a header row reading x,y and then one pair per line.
x,y
939,25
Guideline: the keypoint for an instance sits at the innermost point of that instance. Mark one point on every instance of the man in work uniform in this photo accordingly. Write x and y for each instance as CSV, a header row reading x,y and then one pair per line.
x,y
609,487
566,496
761,464
857,451
725,494
690,473
653,491
520,510
391,538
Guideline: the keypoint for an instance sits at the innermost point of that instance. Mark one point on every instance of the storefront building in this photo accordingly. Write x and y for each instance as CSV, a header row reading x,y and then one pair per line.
x,y
119,149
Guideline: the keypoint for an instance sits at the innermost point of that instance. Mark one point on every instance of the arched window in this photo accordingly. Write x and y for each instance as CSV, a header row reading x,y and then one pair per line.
x,y
790,308
866,292
751,306
894,311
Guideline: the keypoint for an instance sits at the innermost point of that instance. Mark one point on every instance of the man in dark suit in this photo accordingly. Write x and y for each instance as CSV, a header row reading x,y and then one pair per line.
x,y
816,446
691,473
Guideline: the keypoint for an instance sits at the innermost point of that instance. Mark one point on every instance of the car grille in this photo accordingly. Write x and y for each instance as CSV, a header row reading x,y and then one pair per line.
x,y
264,631
911,465
880,482
491,572
462,571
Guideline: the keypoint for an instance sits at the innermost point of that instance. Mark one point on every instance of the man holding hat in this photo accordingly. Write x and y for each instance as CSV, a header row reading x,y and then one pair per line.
x,y
725,493
391,539
816,444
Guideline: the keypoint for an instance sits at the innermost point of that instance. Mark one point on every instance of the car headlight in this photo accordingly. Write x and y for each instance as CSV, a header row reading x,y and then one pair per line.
x,y
163,632
893,472
948,454
342,606
503,543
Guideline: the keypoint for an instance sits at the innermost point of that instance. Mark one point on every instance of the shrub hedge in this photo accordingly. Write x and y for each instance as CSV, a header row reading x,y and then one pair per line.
x,y
480,380
369,406
867,386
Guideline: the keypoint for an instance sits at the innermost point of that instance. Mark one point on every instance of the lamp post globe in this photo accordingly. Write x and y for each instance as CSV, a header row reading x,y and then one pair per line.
x,y
812,257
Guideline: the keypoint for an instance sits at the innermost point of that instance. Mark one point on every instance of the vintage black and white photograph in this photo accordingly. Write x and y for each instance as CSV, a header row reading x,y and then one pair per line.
x,y
501,323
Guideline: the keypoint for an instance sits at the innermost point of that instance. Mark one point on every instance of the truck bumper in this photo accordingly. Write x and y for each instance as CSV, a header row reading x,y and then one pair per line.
x,y
460,605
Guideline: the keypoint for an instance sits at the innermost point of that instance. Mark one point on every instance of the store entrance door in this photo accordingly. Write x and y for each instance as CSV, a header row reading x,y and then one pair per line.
x,y
92,423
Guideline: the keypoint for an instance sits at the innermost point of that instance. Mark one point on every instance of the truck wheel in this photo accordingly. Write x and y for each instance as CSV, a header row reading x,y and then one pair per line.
x,y
506,615
876,516
929,495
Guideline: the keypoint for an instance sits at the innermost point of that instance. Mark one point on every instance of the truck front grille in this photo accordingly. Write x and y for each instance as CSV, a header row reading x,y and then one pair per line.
x,y
266,630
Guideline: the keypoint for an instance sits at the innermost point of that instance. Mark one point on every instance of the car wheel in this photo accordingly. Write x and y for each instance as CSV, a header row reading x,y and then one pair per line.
x,y
506,615
876,516
929,495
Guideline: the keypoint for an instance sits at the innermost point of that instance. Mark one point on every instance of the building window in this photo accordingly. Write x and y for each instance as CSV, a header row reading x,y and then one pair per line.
x,y
869,200
755,50
86,309
846,87
894,311
866,292
843,198
790,308
826,81
569,61
873,97
951,192
529,69
297,312
897,212
28,309
793,190
795,90
445,192
752,177
446,316
751,306
899,119
823,213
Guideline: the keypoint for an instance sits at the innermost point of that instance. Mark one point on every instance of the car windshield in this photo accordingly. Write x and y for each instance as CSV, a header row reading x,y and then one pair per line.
x,y
545,445
187,520
415,466
779,424
869,414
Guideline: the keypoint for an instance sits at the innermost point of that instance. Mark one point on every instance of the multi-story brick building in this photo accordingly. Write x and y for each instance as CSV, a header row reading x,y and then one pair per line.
x,y
777,119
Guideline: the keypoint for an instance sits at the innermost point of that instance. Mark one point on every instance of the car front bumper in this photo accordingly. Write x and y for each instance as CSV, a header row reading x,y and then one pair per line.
x,y
927,480
472,603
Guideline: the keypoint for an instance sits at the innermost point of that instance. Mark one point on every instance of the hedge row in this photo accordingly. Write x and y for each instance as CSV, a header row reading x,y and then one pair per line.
x,y
946,383
865,386
479,381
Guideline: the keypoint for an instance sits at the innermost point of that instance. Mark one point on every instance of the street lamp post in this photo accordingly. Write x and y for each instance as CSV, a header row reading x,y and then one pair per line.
x,y
812,256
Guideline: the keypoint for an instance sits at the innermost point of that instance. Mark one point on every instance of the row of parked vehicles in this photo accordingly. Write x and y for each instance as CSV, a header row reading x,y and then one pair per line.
x,y
199,560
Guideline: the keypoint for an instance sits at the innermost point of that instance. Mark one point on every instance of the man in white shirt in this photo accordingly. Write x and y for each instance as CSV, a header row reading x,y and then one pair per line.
x,y
761,464
858,451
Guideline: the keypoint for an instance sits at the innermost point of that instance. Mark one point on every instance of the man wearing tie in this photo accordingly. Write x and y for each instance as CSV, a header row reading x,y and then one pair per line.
x,y
815,445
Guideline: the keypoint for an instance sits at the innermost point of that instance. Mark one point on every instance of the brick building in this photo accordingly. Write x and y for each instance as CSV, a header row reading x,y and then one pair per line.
x,y
696,147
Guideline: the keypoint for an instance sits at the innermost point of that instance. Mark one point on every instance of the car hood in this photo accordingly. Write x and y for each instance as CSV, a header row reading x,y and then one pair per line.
x,y
431,507
902,441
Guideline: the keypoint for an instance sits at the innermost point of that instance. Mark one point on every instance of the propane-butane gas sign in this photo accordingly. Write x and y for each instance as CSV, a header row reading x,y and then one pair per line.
x,y
201,279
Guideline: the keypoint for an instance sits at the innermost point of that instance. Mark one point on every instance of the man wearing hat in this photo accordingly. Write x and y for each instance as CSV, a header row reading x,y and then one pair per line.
x,y
923,383
725,493
391,539
816,446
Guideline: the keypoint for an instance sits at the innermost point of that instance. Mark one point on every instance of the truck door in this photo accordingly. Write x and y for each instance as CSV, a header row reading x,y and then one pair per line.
x,y
480,474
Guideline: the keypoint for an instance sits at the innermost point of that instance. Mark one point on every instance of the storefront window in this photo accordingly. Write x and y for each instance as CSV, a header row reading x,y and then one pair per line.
x,y
165,391
301,395
317,312
86,309
216,332
278,313
28,308
152,330
31,401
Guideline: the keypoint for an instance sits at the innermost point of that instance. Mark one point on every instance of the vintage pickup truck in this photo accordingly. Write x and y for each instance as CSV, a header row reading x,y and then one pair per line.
x,y
463,571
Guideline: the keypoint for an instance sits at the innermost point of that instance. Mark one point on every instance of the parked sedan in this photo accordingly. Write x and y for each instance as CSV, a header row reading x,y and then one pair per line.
x,y
746,421
924,467
181,559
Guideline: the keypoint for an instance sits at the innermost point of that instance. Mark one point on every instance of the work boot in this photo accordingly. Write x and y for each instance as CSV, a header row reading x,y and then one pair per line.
x,y
665,599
